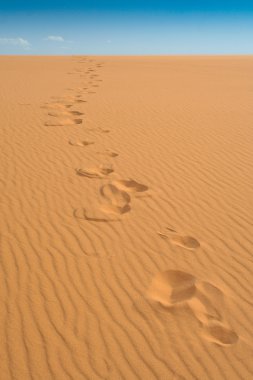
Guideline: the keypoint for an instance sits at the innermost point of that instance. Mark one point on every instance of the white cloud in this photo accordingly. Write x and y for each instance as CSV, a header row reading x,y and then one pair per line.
x,y
16,41
55,38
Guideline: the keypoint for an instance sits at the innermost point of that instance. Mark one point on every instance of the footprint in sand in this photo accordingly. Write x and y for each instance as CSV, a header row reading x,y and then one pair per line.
x,y
130,186
68,100
104,130
220,334
80,101
99,172
116,201
186,242
66,113
112,154
174,288
208,303
99,130
171,287
57,106
97,215
63,122
109,153
114,204
81,143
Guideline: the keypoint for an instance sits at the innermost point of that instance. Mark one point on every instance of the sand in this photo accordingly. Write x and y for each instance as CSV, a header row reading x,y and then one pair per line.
x,y
126,218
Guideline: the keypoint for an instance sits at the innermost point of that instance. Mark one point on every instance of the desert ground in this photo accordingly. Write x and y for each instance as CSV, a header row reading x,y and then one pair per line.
x,y
126,218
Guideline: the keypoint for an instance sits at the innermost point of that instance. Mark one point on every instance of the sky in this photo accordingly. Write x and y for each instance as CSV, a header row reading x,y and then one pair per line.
x,y
126,27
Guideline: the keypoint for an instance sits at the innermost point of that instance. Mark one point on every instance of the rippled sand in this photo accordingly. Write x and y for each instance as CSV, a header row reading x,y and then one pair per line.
x,y
126,218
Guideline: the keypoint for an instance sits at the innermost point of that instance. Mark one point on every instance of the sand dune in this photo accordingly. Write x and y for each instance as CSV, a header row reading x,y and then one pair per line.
x,y
126,218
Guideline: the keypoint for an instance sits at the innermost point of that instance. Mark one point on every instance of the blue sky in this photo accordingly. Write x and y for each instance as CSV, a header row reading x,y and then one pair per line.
x,y
126,27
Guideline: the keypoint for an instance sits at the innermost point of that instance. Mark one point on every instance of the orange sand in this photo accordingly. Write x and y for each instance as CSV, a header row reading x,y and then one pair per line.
x,y
126,218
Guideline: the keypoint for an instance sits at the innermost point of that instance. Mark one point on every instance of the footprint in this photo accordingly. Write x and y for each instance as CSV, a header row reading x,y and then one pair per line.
x,y
68,100
109,153
63,122
130,185
112,154
80,101
57,106
66,113
163,236
63,98
117,201
171,287
220,334
99,172
62,103
187,242
171,229
99,130
104,130
81,143
206,302
94,216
